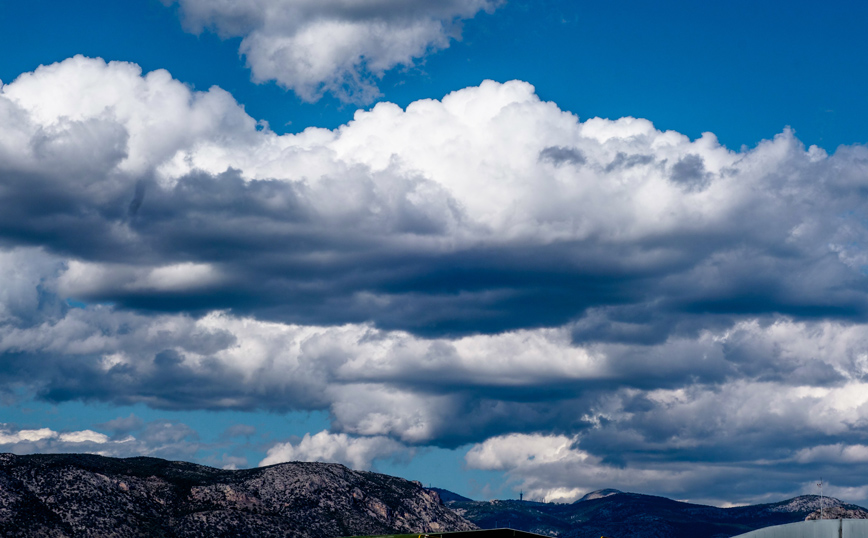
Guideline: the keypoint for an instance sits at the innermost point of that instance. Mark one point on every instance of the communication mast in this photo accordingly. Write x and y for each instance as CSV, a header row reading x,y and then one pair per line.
x,y
820,485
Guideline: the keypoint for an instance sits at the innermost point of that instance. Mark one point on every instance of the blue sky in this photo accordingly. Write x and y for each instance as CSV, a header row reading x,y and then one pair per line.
x,y
220,242
777,64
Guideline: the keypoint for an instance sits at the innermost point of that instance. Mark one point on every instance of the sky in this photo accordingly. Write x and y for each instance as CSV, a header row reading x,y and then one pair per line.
x,y
495,246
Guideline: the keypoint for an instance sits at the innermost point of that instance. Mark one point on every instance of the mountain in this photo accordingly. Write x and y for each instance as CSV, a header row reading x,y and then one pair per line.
x,y
631,515
599,494
448,496
845,511
76,495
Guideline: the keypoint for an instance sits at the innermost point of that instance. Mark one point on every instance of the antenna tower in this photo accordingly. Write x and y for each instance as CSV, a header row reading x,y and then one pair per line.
x,y
820,485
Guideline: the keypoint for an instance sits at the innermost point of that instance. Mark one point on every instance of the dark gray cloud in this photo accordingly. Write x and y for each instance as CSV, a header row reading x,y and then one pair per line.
x,y
278,259
624,161
560,155
690,172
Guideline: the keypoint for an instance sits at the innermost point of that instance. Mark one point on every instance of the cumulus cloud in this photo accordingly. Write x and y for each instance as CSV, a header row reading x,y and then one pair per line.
x,y
551,469
318,46
354,452
699,443
487,211
484,268
780,385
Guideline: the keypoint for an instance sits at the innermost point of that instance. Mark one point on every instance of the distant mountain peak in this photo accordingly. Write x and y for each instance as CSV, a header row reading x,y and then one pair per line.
x,y
847,511
599,494
805,503
827,507
450,496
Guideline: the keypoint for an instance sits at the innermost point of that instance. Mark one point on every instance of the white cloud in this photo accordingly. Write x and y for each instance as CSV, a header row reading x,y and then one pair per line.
x,y
551,469
475,162
84,436
383,409
11,437
354,452
335,46
85,114
522,450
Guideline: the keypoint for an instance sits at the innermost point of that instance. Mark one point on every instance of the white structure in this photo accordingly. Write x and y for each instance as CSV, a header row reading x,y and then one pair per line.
x,y
822,528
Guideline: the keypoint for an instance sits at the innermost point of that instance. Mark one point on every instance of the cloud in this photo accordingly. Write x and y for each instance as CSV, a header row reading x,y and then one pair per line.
x,y
354,452
836,453
122,426
450,217
82,279
130,124
239,430
551,469
460,271
318,46
452,391
160,438
701,444
232,463
9,437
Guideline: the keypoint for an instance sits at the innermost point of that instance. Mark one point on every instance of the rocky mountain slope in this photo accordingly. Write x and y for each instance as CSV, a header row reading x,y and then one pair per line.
x,y
74,495
846,511
631,515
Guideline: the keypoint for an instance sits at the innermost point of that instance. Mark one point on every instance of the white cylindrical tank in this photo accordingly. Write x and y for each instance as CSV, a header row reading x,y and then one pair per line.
x,y
825,528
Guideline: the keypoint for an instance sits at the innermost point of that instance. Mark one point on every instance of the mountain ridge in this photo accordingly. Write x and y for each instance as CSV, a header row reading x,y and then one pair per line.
x,y
81,495
635,515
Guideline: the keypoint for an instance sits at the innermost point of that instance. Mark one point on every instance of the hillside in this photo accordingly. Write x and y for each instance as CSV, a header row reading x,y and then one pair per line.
x,y
83,496
631,515
75,495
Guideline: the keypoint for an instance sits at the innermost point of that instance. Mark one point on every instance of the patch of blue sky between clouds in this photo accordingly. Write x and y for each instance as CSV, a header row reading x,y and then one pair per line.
x,y
741,70
218,432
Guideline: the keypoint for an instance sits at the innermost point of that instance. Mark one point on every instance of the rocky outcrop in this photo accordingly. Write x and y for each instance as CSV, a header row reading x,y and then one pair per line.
x,y
74,495
847,511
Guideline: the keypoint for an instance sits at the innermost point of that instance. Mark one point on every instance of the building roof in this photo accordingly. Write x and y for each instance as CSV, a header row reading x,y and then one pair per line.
x,y
826,528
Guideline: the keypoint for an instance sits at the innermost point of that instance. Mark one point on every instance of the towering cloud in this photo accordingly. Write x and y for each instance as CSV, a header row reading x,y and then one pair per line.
x,y
336,46
579,300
